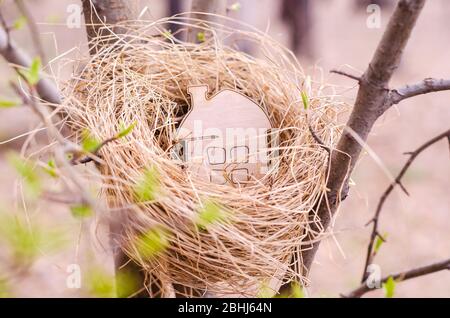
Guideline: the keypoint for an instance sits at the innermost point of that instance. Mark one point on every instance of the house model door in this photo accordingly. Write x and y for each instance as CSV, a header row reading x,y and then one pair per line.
x,y
224,138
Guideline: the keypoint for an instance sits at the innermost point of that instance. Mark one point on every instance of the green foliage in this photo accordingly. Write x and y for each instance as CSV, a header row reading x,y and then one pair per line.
x,y
152,243
305,100
31,75
210,213
147,187
167,34
19,23
235,6
5,289
297,290
81,211
100,283
265,291
124,130
88,142
201,37
50,168
379,241
6,103
127,283
389,287
28,173
27,240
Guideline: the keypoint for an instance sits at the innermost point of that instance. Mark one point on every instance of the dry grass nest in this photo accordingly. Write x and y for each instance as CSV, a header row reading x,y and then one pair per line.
x,y
263,227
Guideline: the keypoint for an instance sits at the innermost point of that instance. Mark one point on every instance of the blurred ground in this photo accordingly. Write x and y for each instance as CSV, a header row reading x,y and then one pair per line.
x,y
418,226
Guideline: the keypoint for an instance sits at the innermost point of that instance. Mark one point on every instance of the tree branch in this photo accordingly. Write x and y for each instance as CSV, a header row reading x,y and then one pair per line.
x,y
426,86
369,106
14,55
400,277
353,77
35,36
375,233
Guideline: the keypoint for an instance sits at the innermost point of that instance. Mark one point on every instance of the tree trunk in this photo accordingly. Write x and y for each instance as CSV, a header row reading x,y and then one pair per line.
x,y
98,13
213,7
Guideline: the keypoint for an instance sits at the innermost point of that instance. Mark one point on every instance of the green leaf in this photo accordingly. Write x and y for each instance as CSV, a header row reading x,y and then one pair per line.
x,y
124,130
265,291
147,187
127,283
235,6
19,23
34,71
297,290
211,212
389,287
153,242
88,142
167,34
27,239
5,289
81,211
27,172
31,75
5,103
305,100
379,242
51,168
100,283
201,37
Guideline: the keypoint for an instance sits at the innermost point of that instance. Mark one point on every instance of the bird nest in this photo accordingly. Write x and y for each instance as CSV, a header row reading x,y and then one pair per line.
x,y
191,236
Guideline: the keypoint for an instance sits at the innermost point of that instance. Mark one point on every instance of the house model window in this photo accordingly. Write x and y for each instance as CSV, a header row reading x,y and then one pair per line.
x,y
224,138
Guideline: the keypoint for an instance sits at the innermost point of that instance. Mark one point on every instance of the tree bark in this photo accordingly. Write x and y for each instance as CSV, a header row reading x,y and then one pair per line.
x,y
14,55
370,104
98,13
213,7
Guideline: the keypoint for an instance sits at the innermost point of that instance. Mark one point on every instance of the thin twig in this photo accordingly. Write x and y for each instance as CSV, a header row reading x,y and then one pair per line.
x,y
353,77
64,144
35,36
375,232
14,55
94,155
318,139
402,276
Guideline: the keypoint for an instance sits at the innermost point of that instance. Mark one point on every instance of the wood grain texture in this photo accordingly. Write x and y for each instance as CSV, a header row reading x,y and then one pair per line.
x,y
225,137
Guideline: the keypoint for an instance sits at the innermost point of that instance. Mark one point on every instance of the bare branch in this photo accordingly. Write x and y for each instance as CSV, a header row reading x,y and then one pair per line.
x,y
353,77
426,86
400,277
12,54
375,233
35,36
369,106
64,144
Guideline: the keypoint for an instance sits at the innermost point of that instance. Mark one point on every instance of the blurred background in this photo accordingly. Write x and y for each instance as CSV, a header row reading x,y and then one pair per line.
x,y
325,35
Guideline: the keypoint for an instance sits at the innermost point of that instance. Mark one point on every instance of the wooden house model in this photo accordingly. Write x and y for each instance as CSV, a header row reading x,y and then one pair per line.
x,y
224,138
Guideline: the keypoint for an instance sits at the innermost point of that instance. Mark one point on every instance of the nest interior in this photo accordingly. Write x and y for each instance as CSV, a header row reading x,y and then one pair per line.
x,y
143,79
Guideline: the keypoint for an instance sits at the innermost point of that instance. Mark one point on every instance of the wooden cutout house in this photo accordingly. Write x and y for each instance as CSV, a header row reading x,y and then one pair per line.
x,y
224,138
